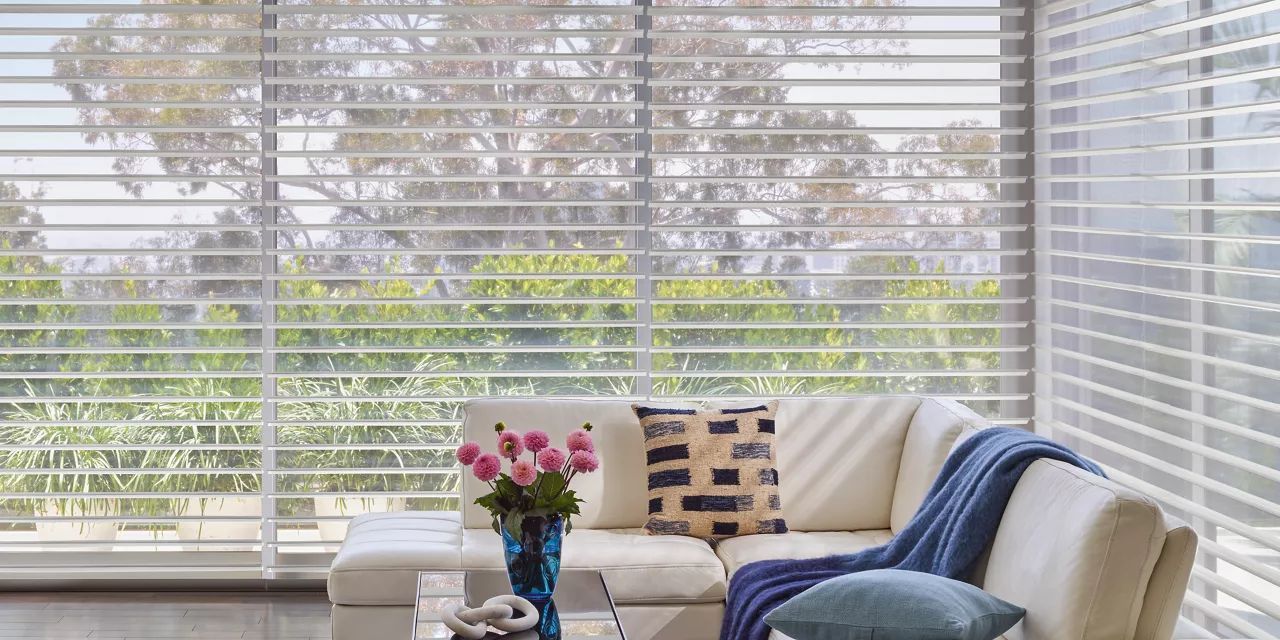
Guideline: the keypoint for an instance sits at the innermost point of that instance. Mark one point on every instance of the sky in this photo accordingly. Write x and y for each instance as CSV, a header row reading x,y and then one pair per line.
x,y
11,163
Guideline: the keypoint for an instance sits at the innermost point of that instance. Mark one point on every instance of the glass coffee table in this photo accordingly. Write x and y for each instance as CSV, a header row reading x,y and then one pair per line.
x,y
581,605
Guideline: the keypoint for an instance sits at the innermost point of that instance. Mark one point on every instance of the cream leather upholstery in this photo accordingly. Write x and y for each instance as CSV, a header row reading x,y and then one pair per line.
x,y
736,552
1087,558
827,446
641,569
1159,617
933,431
379,561
1077,552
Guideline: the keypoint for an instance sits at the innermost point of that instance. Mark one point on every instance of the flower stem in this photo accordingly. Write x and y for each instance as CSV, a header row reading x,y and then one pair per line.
x,y
539,487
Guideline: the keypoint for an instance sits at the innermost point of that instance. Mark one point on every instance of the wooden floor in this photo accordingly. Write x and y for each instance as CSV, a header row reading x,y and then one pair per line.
x,y
157,616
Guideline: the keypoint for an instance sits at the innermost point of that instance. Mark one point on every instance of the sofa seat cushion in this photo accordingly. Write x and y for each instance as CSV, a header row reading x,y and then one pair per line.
x,y
378,563
639,568
737,552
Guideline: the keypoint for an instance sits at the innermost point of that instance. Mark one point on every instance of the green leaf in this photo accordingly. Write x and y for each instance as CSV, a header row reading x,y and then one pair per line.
x,y
507,486
512,523
549,487
509,493
489,501
565,504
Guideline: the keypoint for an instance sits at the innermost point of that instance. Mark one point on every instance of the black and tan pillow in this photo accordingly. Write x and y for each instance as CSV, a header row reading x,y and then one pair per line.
x,y
713,473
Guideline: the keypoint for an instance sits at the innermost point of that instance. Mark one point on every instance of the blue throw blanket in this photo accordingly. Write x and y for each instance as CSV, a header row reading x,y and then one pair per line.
x,y
953,527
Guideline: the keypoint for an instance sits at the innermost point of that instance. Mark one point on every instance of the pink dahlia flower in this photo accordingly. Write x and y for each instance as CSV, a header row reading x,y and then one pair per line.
x,y
580,441
551,459
487,467
584,461
523,473
536,441
510,446
468,453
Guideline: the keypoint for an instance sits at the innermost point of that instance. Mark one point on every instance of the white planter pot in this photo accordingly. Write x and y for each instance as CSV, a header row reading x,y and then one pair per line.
x,y
87,530
336,530
215,530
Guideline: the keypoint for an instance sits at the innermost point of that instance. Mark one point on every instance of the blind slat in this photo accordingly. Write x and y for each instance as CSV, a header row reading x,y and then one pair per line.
x,y
1214,18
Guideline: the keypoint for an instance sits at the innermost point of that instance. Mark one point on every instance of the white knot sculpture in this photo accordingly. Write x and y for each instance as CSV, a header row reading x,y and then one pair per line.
x,y
497,612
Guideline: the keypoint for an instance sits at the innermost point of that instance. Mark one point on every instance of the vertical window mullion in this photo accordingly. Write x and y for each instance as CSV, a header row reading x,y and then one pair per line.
x,y
1023,167
644,214
270,195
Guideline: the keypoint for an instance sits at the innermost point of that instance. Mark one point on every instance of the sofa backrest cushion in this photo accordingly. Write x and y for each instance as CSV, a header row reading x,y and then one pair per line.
x,y
934,427
838,460
615,496
1077,552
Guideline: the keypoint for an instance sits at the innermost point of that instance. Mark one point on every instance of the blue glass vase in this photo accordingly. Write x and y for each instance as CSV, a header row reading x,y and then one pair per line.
x,y
533,560
549,622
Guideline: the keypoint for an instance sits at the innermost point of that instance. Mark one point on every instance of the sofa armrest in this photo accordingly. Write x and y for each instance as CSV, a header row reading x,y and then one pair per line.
x,y
1077,551
1169,580
378,563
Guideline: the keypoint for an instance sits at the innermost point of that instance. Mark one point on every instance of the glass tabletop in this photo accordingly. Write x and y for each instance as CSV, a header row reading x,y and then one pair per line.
x,y
581,604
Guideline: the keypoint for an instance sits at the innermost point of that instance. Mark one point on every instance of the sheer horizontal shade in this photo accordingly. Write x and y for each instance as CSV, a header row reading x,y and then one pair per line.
x,y
1157,273
257,255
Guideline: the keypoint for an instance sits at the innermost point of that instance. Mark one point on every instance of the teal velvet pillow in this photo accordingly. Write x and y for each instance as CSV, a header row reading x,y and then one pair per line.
x,y
888,604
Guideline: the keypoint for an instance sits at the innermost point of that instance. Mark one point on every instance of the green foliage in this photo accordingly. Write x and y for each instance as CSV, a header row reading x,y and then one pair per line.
x,y
326,432
45,457
510,503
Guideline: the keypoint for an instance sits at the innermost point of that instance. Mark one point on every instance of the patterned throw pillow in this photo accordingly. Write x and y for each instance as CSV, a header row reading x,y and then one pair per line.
x,y
712,474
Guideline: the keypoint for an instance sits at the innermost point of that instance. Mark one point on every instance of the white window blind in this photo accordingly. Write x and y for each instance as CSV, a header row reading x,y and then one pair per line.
x,y
454,204
131,312
256,254
1158,268
834,201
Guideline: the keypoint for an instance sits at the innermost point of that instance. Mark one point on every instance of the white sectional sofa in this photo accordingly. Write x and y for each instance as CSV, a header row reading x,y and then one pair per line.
x,y
1088,559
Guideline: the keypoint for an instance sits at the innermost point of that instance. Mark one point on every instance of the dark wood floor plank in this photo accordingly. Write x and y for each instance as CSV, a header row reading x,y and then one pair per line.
x,y
164,616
